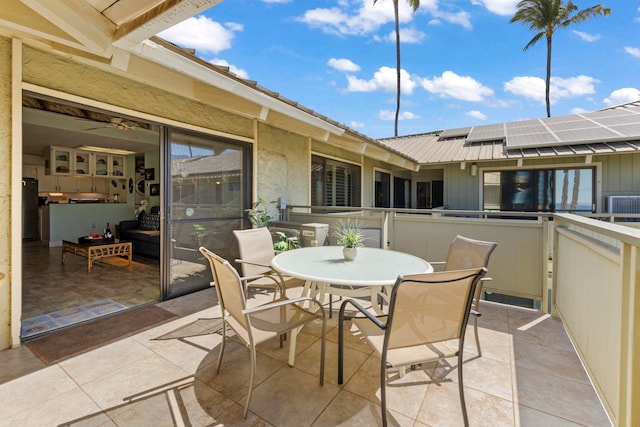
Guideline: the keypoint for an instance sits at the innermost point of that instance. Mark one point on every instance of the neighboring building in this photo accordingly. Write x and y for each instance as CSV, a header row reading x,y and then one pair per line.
x,y
94,77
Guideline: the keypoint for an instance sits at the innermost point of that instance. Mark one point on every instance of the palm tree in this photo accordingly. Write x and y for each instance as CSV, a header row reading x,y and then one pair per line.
x,y
545,16
414,4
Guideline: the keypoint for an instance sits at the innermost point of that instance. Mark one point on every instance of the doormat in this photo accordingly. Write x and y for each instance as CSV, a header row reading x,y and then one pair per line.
x,y
68,316
82,338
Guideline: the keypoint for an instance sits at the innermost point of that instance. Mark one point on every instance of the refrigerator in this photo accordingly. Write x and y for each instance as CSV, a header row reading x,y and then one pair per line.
x,y
29,209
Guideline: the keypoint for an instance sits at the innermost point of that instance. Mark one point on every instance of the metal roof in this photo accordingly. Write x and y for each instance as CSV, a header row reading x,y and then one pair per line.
x,y
608,131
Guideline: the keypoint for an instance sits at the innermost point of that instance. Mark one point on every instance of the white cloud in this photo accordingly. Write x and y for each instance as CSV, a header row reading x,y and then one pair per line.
x,y
391,115
633,51
622,96
499,7
356,125
475,114
203,34
235,70
363,17
534,87
452,85
586,36
385,80
407,35
578,110
343,65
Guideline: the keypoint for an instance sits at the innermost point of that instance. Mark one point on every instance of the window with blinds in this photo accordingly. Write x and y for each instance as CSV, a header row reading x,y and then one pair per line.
x,y
334,183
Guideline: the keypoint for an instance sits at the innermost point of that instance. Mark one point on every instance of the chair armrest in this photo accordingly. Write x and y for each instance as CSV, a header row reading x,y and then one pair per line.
x,y
279,281
361,309
243,261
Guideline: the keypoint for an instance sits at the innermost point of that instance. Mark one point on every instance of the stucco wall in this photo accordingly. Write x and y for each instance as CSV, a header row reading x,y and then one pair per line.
x,y
62,74
283,165
5,193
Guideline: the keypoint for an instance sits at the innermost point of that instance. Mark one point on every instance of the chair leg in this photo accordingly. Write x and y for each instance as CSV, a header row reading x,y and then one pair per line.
x,y
224,340
340,344
383,391
475,333
461,390
251,380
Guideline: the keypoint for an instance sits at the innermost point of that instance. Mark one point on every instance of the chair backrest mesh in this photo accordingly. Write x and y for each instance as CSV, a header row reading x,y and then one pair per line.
x,y
255,245
429,308
468,253
228,286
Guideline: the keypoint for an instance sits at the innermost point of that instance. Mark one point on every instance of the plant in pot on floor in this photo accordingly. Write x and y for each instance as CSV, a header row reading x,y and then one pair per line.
x,y
350,236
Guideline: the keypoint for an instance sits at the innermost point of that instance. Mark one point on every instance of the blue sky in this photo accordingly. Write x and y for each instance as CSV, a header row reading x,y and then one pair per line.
x,y
463,63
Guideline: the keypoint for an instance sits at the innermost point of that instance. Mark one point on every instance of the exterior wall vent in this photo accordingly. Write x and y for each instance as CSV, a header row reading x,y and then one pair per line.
x,y
623,204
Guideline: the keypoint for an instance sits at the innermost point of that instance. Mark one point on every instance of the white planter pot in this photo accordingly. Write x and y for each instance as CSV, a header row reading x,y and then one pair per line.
x,y
349,253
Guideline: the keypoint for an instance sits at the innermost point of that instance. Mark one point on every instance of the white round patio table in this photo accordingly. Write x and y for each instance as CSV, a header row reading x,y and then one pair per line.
x,y
326,271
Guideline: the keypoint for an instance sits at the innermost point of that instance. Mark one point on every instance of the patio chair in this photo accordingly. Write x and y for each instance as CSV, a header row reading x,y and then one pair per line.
x,y
255,325
469,253
426,322
256,252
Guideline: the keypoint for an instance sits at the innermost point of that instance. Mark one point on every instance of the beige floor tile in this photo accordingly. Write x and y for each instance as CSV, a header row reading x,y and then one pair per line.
x,y
489,376
27,392
187,352
441,407
193,404
233,379
17,362
494,316
104,360
550,360
301,393
350,410
571,400
61,408
528,417
495,345
149,375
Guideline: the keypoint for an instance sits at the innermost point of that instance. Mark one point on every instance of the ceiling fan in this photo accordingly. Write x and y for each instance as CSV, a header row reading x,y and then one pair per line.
x,y
119,124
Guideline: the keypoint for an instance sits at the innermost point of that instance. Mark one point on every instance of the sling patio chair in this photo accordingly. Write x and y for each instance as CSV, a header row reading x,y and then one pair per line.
x,y
256,252
469,253
426,322
255,325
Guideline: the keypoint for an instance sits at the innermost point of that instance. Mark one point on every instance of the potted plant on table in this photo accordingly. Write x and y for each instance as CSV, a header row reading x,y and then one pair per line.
x,y
350,236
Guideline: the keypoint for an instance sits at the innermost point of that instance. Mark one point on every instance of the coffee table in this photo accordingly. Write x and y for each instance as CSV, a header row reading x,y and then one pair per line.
x,y
96,251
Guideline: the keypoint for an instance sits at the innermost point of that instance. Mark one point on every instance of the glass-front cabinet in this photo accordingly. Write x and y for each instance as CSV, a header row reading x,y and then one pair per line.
x,y
109,165
82,163
58,161
71,162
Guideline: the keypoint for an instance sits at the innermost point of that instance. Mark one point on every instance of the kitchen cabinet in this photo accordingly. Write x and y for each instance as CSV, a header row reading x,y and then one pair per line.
x,y
57,161
109,165
71,162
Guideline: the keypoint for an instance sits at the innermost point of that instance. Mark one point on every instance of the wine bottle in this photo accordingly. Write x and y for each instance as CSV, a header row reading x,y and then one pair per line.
x,y
107,232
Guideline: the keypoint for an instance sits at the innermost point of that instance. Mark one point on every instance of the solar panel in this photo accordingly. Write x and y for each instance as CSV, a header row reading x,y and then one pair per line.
x,y
632,129
524,130
453,133
531,140
586,135
597,115
575,125
523,123
486,133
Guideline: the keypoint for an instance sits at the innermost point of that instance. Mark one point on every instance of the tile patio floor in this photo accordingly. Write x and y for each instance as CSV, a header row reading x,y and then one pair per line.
x,y
529,375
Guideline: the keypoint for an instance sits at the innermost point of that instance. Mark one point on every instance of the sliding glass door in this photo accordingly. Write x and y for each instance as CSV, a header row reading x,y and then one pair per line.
x,y
207,194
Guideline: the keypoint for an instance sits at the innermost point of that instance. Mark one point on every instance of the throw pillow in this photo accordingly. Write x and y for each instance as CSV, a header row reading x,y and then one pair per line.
x,y
150,222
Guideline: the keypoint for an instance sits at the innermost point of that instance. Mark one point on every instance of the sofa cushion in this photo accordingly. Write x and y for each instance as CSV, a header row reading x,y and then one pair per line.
x,y
141,236
150,222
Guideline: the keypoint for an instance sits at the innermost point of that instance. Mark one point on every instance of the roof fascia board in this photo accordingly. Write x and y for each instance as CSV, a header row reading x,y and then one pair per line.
x,y
78,19
163,16
158,54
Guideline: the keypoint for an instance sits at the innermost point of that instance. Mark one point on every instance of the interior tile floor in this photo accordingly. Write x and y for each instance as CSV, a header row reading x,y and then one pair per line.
x,y
528,375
